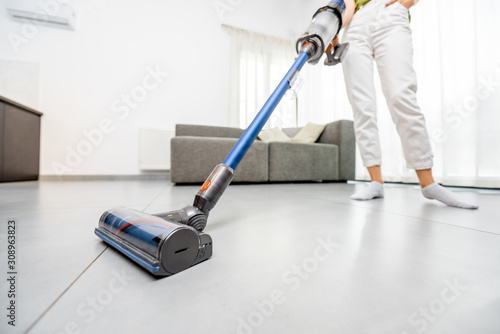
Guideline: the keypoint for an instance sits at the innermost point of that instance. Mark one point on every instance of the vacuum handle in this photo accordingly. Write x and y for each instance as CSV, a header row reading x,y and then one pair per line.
x,y
335,56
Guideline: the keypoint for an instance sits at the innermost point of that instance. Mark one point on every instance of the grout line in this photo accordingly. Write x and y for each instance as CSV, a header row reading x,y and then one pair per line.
x,y
464,227
156,197
447,224
62,294
424,219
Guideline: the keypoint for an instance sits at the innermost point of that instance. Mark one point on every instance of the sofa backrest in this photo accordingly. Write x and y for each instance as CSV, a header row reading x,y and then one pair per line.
x,y
207,131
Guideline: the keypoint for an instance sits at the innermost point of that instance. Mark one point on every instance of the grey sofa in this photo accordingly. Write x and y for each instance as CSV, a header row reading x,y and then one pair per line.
x,y
196,150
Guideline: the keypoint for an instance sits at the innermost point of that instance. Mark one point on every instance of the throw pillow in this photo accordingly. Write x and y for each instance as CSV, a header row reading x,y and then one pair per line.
x,y
309,133
273,134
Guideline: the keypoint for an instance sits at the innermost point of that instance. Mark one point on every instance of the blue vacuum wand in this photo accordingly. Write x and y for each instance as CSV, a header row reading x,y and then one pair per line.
x,y
167,243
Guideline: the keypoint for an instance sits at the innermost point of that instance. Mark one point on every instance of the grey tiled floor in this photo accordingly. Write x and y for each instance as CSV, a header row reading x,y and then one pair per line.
x,y
288,258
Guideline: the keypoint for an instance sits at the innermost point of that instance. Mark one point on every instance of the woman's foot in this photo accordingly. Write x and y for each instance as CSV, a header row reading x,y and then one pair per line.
x,y
374,190
435,191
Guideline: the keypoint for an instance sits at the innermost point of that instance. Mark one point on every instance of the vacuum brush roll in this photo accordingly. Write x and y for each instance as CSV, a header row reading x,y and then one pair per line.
x,y
161,246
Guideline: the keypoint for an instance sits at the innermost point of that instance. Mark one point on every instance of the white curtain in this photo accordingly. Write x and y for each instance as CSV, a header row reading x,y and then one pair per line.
x,y
257,64
457,60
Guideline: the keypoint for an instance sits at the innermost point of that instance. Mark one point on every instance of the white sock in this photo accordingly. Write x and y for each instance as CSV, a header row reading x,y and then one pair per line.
x,y
374,190
435,191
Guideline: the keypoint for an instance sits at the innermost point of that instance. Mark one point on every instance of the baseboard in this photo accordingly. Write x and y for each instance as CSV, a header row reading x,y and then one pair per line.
x,y
137,177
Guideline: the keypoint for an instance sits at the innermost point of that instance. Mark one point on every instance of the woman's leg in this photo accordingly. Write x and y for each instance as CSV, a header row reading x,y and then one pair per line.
x,y
375,174
425,177
393,51
358,75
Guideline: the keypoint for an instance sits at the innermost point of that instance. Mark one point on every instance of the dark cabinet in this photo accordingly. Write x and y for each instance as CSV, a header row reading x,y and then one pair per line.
x,y
19,142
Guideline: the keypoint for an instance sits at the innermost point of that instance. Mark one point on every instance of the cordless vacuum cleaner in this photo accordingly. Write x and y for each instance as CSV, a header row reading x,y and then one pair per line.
x,y
167,243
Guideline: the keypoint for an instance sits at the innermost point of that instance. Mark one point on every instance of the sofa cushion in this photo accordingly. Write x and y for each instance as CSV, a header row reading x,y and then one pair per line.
x,y
309,133
194,158
273,134
291,132
303,162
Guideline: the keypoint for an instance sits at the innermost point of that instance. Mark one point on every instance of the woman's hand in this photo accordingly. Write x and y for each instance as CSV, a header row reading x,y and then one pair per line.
x,y
335,41
407,3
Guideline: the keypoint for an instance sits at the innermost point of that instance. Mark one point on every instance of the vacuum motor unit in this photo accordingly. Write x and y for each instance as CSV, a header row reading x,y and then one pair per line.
x,y
326,24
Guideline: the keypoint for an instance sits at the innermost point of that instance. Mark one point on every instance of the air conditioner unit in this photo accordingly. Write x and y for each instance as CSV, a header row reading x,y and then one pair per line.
x,y
55,13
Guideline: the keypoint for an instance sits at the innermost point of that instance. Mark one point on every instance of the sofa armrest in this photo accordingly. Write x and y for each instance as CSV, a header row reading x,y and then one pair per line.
x,y
341,133
207,131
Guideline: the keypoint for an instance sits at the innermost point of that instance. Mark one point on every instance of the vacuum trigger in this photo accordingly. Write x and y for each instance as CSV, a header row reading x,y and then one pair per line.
x,y
335,56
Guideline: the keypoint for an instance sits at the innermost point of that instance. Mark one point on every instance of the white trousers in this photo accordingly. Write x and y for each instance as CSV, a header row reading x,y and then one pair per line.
x,y
383,34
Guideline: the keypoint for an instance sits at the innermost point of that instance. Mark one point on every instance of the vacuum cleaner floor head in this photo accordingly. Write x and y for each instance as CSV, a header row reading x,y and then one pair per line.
x,y
161,246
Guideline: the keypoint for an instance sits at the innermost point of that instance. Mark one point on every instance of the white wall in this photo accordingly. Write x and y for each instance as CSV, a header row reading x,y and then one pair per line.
x,y
19,80
85,74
